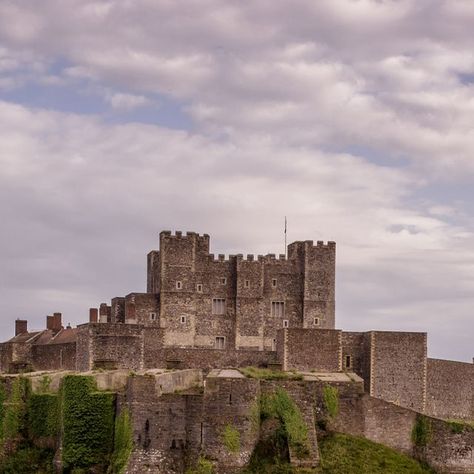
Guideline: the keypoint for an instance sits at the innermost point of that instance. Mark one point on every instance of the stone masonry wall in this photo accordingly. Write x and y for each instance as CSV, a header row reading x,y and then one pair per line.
x,y
54,356
398,367
317,349
450,389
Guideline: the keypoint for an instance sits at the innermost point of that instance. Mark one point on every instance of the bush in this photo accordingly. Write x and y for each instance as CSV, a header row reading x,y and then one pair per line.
x,y
331,400
203,466
421,433
231,439
123,443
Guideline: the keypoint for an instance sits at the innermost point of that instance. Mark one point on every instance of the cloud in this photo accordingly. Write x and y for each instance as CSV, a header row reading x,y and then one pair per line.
x,y
120,100
352,118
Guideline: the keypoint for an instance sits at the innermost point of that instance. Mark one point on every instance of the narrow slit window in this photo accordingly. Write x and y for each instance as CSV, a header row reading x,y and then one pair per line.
x,y
183,319
223,281
199,287
274,282
247,284
152,316
179,285
286,324
348,362
316,321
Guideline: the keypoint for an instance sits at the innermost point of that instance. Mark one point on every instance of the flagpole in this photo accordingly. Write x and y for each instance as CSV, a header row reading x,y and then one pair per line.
x,y
285,240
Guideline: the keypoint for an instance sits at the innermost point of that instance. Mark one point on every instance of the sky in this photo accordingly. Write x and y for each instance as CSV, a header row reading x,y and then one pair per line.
x,y
353,118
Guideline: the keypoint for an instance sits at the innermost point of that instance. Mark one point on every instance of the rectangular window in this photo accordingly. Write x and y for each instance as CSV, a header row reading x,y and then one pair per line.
x,y
179,285
220,342
274,345
247,284
183,319
286,324
278,309
199,287
348,362
223,281
152,316
316,321
274,282
218,306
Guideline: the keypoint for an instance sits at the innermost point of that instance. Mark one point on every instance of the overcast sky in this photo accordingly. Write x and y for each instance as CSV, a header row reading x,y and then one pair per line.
x,y
355,119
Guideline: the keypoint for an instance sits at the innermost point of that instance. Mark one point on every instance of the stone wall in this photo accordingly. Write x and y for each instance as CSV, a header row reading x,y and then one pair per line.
x,y
310,349
398,367
450,389
54,356
449,449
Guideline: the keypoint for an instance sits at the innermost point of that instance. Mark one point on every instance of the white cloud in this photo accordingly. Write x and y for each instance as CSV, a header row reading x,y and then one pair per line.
x,y
120,100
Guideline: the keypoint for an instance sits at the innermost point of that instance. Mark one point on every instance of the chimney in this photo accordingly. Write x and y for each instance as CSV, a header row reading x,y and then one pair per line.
x,y
57,322
50,323
104,313
93,315
21,326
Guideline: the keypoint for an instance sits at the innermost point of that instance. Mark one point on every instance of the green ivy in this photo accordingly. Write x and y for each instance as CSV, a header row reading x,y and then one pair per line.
x,y
88,423
203,466
422,431
3,399
231,438
43,415
15,409
281,406
331,400
123,443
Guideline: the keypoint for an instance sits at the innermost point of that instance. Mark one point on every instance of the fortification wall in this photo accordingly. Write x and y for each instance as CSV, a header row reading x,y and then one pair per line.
x,y
449,449
450,389
54,356
305,350
398,368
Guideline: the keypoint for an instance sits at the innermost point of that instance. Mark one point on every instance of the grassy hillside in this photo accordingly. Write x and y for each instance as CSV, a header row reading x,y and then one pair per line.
x,y
342,454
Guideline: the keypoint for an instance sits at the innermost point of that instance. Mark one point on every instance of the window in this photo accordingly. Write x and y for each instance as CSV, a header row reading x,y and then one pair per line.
x,y
274,282
218,306
348,361
179,285
286,324
220,342
199,287
223,281
278,309
247,284
152,316
274,345
183,319
316,321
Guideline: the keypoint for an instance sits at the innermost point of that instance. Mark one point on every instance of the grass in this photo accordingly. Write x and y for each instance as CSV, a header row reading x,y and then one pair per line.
x,y
343,454
269,374
340,454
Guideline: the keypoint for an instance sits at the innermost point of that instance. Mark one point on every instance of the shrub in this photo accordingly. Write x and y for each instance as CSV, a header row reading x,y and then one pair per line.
x,y
123,443
331,400
231,438
203,466
421,433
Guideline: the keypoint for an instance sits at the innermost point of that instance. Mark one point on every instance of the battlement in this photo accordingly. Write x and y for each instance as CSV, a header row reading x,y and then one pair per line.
x,y
179,235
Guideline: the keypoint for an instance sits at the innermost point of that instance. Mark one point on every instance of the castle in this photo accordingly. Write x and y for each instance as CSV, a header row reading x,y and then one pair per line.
x,y
202,312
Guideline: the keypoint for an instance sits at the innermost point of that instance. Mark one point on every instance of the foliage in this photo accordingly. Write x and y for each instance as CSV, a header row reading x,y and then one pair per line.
x,y
269,374
88,423
3,398
123,443
279,405
343,454
27,459
231,438
44,384
254,416
421,433
331,400
15,409
43,415
459,426
203,466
